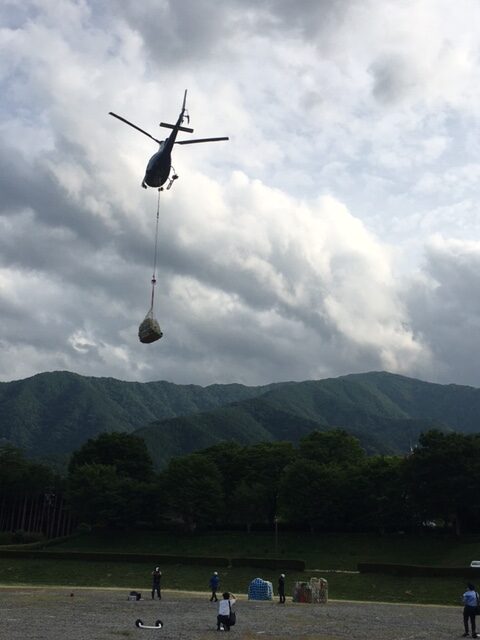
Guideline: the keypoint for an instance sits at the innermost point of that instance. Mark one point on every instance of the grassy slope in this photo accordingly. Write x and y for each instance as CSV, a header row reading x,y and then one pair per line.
x,y
334,551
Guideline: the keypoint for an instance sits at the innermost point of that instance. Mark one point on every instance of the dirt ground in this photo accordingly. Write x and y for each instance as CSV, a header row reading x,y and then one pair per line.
x,y
88,614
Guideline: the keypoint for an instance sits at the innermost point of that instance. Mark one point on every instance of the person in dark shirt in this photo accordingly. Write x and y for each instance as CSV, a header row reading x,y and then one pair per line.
x,y
156,579
214,584
281,588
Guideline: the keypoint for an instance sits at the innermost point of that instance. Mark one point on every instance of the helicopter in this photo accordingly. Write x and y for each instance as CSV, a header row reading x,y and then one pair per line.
x,y
160,164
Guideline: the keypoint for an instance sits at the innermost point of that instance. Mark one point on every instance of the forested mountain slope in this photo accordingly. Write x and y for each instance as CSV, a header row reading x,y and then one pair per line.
x,y
54,413
293,411
57,412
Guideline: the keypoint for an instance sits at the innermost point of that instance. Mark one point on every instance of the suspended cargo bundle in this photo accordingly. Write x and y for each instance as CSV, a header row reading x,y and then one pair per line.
x,y
149,330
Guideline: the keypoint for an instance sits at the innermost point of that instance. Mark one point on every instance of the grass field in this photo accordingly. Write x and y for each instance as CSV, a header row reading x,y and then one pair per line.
x,y
137,576
325,552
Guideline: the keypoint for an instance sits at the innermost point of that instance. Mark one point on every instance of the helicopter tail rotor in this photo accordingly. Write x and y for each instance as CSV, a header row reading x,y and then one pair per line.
x,y
174,126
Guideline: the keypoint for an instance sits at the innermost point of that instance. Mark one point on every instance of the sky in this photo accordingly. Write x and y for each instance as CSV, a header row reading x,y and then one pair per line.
x,y
336,232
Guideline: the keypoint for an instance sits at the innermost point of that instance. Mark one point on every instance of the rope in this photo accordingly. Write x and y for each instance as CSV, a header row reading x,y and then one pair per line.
x,y
154,274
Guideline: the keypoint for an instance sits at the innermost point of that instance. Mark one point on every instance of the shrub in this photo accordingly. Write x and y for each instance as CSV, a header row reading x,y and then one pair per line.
x,y
5,537
26,537
418,570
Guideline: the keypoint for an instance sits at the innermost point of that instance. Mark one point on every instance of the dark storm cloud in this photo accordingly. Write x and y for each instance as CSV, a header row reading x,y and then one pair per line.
x,y
27,184
190,30
179,31
445,308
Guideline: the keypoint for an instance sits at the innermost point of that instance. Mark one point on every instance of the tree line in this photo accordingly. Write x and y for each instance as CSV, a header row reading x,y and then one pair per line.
x,y
326,483
32,500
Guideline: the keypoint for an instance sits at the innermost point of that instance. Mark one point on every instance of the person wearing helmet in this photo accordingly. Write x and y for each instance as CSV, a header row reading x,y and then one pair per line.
x,y
214,584
281,588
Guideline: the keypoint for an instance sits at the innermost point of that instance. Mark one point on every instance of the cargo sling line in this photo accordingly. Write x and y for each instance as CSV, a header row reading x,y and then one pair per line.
x,y
154,274
149,330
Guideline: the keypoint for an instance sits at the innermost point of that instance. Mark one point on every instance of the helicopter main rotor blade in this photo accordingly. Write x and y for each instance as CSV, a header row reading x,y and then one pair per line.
x,y
200,140
133,125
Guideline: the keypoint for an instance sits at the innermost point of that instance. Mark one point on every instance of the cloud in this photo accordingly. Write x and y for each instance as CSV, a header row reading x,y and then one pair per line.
x,y
248,273
286,253
444,304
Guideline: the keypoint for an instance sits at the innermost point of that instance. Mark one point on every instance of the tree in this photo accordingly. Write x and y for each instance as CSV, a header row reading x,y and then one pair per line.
x,y
108,483
443,476
228,458
332,447
126,452
250,503
22,476
382,504
99,496
192,486
370,496
308,494
263,466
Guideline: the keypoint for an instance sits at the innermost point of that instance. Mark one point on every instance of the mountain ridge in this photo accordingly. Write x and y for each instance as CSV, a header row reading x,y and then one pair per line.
x,y
37,413
54,413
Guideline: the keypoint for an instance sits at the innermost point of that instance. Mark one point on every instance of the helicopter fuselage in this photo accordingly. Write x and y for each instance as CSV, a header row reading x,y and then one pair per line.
x,y
160,164
158,167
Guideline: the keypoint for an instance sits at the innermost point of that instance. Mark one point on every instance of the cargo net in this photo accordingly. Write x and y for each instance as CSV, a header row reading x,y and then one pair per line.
x,y
315,591
259,589
149,330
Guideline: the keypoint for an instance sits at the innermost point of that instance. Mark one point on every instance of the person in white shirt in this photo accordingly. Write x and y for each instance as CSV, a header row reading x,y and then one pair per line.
x,y
224,611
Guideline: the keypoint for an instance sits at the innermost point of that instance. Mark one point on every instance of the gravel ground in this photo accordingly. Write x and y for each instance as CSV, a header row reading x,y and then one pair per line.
x,y
53,614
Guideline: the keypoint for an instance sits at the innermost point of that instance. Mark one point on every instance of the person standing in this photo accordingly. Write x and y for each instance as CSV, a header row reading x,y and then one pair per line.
x,y
470,602
281,588
225,610
156,579
214,583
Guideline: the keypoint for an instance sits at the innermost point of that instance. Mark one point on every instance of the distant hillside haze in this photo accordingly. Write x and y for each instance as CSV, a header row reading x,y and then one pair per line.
x,y
55,413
